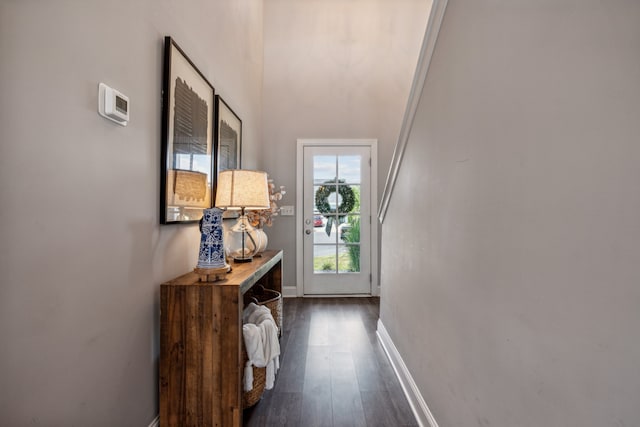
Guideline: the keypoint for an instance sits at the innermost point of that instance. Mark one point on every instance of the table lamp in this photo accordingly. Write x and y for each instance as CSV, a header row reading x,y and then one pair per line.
x,y
244,190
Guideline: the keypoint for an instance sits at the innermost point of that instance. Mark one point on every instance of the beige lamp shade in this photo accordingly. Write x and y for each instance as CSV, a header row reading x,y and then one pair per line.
x,y
239,188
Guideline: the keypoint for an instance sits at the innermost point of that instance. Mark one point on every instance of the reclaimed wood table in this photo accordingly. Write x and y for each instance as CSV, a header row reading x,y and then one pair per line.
x,y
201,342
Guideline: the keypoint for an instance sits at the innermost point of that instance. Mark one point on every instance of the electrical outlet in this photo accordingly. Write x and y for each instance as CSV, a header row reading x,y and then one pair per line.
x,y
286,210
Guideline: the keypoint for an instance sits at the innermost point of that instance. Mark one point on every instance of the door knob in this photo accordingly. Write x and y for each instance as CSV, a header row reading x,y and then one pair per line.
x,y
307,231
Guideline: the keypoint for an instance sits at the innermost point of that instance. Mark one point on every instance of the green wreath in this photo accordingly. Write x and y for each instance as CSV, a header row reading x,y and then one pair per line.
x,y
345,191
322,201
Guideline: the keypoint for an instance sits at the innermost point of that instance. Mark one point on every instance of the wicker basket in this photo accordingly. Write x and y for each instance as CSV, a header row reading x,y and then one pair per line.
x,y
251,397
272,300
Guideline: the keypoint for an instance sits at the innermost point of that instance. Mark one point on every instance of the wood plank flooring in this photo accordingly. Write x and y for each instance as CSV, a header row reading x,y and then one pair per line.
x,y
333,370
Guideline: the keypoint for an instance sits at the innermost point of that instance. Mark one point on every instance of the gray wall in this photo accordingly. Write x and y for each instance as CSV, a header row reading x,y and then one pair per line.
x,y
81,251
334,69
511,261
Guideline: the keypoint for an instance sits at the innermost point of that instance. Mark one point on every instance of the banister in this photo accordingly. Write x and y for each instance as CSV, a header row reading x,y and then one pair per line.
x,y
436,16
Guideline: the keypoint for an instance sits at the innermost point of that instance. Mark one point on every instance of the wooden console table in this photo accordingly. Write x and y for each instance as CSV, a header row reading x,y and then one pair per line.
x,y
200,343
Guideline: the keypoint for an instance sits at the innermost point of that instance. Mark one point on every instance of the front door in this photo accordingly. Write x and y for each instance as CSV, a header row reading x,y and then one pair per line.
x,y
337,219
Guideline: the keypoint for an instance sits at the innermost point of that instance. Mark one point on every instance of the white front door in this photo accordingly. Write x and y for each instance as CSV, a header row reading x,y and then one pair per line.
x,y
336,219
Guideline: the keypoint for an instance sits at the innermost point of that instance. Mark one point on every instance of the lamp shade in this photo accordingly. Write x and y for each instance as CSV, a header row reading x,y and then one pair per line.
x,y
239,188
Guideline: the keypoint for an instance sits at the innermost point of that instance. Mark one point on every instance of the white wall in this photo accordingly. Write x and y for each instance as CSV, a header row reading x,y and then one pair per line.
x,y
81,251
510,264
334,69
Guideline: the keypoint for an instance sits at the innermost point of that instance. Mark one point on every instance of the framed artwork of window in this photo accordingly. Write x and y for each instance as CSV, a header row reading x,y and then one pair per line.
x,y
228,136
188,172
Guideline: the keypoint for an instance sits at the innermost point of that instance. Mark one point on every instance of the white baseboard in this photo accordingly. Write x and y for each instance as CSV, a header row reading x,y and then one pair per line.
x,y
418,405
289,292
292,292
155,422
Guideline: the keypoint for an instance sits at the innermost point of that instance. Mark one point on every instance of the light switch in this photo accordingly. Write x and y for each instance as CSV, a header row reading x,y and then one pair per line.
x,y
286,210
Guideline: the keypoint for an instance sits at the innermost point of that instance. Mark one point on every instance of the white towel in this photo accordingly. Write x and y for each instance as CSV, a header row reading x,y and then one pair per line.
x,y
261,342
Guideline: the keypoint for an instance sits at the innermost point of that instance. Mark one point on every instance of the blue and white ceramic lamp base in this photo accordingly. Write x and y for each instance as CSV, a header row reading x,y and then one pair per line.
x,y
211,257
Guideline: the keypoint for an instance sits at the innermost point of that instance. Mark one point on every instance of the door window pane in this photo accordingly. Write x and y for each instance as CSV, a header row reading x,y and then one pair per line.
x,y
348,259
324,169
349,169
349,230
348,199
324,259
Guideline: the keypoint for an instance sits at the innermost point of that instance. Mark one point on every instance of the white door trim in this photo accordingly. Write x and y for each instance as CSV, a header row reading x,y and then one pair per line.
x,y
373,144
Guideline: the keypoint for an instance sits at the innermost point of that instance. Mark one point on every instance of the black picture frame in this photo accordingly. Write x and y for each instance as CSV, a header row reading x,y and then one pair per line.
x,y
228,142
228,137
188,164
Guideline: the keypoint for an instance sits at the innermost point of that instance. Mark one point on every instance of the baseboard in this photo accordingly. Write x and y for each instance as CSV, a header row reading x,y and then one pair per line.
x,y
155,422
418,405
289,292
292,292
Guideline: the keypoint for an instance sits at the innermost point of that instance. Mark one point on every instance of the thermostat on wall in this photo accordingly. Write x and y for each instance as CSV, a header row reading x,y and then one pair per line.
x,y
113,105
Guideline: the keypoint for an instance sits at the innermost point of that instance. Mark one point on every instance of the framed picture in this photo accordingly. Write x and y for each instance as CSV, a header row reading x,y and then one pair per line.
x,y
188,149
228,136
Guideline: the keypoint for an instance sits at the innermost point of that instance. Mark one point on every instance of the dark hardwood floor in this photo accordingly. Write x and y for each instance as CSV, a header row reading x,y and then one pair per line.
x,y
333,371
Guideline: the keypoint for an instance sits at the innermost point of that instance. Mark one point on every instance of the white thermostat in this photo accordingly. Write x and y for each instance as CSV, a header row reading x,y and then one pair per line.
x,y
113,105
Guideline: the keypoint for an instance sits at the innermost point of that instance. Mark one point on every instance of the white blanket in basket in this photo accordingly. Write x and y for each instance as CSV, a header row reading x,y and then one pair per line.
x,y
261,342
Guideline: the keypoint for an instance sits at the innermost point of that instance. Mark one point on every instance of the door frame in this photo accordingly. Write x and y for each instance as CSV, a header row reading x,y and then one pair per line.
x,y
301,144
